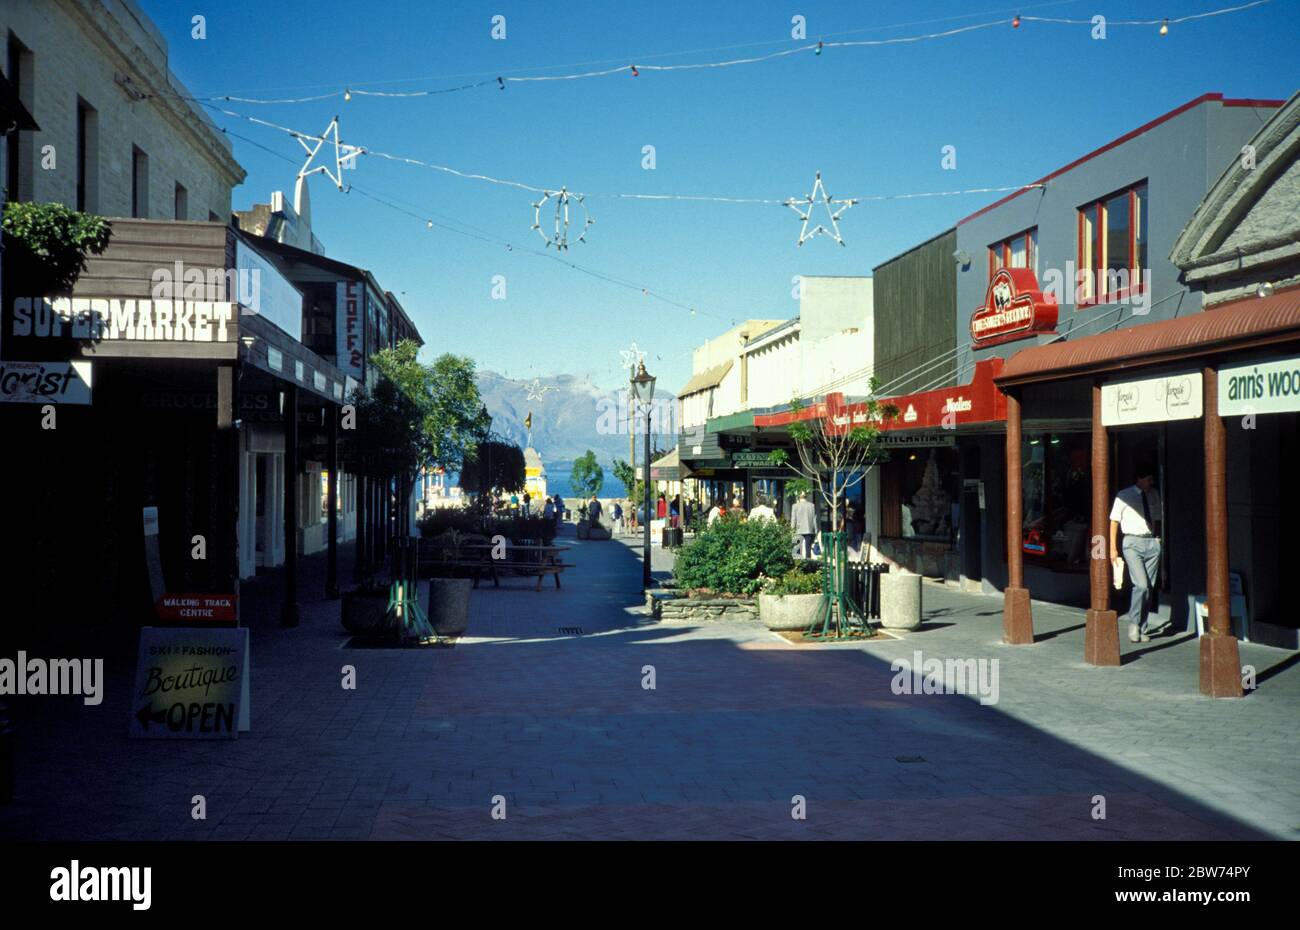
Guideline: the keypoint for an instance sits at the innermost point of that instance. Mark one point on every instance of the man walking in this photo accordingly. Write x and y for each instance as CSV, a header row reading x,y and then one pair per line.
x,y
1136,512
803,517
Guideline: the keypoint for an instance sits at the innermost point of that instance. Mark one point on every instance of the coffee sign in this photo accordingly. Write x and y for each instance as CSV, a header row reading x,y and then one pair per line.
x,y
1014,308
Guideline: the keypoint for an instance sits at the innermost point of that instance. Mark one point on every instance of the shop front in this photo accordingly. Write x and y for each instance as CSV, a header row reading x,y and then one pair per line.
x,y
1210,400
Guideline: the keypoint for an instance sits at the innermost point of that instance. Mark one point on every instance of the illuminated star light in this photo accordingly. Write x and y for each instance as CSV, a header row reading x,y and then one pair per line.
x,y
631,356
798,205
536,391
345,156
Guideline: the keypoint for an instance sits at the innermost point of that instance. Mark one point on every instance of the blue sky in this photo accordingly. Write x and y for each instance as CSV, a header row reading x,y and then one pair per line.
x,y
1015,103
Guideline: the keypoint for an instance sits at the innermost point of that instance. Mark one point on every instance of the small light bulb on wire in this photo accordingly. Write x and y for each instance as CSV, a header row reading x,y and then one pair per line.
x,y
1164,28
819,47
347,95
1015,22
635,72
429,223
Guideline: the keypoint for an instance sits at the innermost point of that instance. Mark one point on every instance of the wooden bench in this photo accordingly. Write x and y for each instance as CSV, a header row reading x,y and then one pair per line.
x,y
494,567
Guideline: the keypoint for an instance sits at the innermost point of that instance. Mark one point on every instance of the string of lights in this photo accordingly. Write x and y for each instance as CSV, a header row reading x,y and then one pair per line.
x,y
635,67
414,212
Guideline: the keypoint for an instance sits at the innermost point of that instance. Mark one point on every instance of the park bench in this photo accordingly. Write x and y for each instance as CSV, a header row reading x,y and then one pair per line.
x,y
527,558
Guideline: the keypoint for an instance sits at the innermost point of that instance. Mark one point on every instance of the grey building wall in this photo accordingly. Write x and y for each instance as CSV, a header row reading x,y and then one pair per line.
x,y
1179,159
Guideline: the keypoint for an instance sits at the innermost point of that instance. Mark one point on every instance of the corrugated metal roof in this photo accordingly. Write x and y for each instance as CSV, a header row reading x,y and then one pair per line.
x,y
1234,325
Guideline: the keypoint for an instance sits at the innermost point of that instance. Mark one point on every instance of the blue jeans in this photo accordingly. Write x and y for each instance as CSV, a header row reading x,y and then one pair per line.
x,y
1142,558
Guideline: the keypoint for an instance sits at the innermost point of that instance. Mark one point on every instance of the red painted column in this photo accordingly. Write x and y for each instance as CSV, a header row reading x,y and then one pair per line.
x,y
1220,657
1101,630
1017,617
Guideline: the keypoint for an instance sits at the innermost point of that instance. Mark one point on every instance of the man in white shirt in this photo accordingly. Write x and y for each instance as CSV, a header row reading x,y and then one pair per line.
x,y
1136,512
761,511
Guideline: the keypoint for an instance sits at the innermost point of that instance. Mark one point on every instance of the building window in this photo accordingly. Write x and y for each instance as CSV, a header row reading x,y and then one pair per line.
x,y
139,183
20,73
1112,247
182,202
1056,481
1018,251
87,157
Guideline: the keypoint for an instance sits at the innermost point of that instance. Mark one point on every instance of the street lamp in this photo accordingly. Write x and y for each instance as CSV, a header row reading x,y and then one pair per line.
x,y
643,389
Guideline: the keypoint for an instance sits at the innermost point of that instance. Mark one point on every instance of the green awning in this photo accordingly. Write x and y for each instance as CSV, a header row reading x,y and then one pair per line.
x,y
732,421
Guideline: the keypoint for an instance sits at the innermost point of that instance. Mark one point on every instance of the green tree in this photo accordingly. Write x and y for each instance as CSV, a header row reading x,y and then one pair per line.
x,y
46,245
626,475
587,477
835,451
416,415
496,465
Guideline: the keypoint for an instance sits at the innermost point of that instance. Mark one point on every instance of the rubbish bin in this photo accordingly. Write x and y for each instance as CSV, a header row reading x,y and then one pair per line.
x,y
900,600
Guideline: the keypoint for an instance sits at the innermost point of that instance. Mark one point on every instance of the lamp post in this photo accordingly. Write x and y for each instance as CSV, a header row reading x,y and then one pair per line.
x,y
643,389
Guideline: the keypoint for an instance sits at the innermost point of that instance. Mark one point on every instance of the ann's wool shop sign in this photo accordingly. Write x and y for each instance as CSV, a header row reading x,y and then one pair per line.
x,y
102,318
1014,308
1269,386
45,382
191,684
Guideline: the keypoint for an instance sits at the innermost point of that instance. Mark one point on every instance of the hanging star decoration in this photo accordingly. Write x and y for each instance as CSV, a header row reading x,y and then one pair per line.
x,y
631,357
345,156
564,202
804,207
536,391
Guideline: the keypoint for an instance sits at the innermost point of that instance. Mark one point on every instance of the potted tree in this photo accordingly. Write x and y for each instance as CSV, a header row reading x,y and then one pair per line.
x,y
415,416
587,478
791,601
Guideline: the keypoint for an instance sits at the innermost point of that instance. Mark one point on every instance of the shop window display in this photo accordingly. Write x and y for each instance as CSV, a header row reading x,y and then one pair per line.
x,y
1057,496
929,498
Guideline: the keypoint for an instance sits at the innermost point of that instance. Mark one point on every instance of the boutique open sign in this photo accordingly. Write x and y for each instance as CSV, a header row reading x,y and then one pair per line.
x,y
190,684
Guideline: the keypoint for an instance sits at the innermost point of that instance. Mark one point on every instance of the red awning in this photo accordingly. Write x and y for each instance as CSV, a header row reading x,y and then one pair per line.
x,y
977,402
1239,324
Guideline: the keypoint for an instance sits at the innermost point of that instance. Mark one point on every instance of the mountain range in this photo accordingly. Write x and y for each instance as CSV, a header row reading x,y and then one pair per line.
x,y
570,415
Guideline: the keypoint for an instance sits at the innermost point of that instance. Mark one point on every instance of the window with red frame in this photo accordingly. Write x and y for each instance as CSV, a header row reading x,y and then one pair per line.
x,y
1112,247
1018,251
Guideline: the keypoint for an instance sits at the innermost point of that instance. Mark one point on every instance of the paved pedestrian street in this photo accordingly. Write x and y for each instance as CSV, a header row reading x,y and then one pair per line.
x,y
556,734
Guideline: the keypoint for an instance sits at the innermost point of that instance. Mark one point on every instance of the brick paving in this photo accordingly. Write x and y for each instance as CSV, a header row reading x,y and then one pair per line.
x,y
559,729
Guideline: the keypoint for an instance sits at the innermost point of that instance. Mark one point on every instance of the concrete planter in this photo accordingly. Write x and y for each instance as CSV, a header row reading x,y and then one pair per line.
x,y
584,529
449,605
900,601
788,611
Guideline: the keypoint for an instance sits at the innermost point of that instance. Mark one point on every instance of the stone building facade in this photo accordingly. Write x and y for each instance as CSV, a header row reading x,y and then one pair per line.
x,y
117,136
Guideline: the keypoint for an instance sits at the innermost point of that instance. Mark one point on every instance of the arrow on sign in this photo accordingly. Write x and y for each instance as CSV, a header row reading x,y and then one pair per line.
x,y
147,713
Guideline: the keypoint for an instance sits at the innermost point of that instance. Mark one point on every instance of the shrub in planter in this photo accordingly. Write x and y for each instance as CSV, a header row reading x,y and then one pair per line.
x,y
732,556
792,601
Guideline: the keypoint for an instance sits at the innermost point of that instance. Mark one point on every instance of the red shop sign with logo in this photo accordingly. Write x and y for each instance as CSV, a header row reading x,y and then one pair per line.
x,y
1014,308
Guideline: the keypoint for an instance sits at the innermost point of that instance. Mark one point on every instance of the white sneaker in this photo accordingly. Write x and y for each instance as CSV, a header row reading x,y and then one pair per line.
x,y
1135,637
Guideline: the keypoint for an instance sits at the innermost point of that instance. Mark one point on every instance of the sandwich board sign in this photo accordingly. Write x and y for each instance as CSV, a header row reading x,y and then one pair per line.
x,y
190,684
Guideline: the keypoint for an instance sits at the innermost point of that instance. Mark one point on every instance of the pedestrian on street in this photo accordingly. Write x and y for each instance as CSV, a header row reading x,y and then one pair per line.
x,y
1136,512
618,517
593,511
548,511
803,518
661,509
559,510
760,510
527,502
